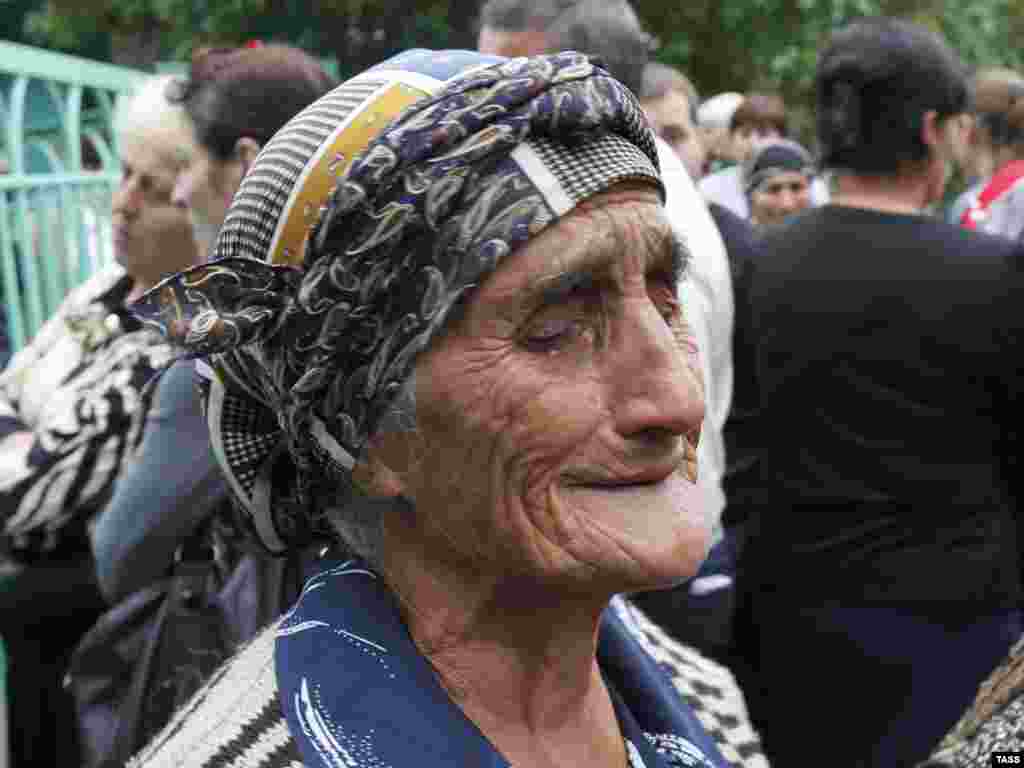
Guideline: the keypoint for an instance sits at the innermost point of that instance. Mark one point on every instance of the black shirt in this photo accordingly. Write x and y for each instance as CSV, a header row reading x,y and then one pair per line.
x,y
888,358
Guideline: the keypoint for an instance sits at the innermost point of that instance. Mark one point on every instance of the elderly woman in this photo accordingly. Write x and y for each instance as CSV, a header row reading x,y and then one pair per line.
x,y
469,363
777,177
879,551
71,414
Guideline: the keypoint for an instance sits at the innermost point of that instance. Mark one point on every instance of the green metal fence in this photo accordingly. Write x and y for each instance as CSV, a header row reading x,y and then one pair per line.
x,y
58,169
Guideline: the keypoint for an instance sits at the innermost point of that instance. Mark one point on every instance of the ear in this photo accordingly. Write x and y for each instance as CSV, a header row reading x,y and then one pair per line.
x,y
375,477
931,130
246,150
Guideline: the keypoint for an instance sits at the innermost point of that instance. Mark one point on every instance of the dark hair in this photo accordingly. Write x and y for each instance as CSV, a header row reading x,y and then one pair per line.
x,y
608,29
761,110
660,80
999,105
520,15
250,92
876,79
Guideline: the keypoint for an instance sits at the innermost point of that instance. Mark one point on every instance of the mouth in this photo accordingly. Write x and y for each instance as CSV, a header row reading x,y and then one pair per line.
x,y
645,478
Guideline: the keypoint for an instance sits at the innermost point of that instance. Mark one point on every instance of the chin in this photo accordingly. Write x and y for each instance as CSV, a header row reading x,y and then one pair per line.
x,y
639,538
677,564
627,563
205,236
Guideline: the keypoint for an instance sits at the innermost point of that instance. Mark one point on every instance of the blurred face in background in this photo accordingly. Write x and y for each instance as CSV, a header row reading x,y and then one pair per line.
x,y
717,143
950,151
779,197
670,118
962,127
745,138
205,189
152,236
511,43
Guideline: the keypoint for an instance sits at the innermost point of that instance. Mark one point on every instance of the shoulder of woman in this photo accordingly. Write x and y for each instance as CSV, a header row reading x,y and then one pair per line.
x,y
231,719
55,327
101,282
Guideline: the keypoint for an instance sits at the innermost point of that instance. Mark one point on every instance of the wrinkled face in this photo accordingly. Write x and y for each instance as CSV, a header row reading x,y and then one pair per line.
x,y
747,137
779,197
205,189
152,236
717,143
670,118
559,416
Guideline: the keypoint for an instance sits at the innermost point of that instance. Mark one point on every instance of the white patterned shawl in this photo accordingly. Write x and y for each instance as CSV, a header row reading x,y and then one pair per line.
x,y
70,414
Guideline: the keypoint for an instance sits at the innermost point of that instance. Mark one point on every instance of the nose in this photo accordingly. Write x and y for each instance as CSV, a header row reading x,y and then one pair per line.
x,y
180,193
657,386
127,198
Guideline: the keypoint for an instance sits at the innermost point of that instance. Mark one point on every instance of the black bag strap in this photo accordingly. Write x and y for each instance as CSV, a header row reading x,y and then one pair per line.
x,y
188,588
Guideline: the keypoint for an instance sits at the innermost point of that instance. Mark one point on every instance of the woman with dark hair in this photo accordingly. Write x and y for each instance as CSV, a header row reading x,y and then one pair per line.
x,y
173,499
235,100
470,366
881,569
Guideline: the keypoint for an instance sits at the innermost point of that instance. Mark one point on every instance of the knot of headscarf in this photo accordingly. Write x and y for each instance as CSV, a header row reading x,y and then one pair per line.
x,y
361,225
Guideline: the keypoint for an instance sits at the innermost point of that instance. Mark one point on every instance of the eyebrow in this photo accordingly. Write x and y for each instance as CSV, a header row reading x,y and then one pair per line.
x,y
546,290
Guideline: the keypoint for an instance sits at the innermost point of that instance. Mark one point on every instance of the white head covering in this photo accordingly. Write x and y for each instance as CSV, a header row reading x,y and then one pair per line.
x,y
717,111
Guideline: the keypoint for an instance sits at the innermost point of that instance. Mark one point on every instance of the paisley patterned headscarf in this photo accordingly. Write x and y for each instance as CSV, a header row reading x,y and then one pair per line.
x,y
362,224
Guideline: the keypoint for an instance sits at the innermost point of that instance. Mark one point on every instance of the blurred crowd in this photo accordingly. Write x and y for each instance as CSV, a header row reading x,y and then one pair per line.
x,y
851,317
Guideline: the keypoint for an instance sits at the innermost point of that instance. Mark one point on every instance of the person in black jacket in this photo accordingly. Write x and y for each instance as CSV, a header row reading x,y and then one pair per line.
x,y
881,564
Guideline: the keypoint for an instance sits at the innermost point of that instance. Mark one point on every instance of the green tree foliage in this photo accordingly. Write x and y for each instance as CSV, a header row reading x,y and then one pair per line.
x,y
741,45
721,44
141,32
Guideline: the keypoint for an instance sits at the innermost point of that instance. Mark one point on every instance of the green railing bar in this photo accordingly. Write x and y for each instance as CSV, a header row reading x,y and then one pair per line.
x,y
71,215
33,305
56,97
41,227
47,126
105,253
71,218
107,107
55,227
99,143
73,127
30,180
35,62
47,252
12,296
